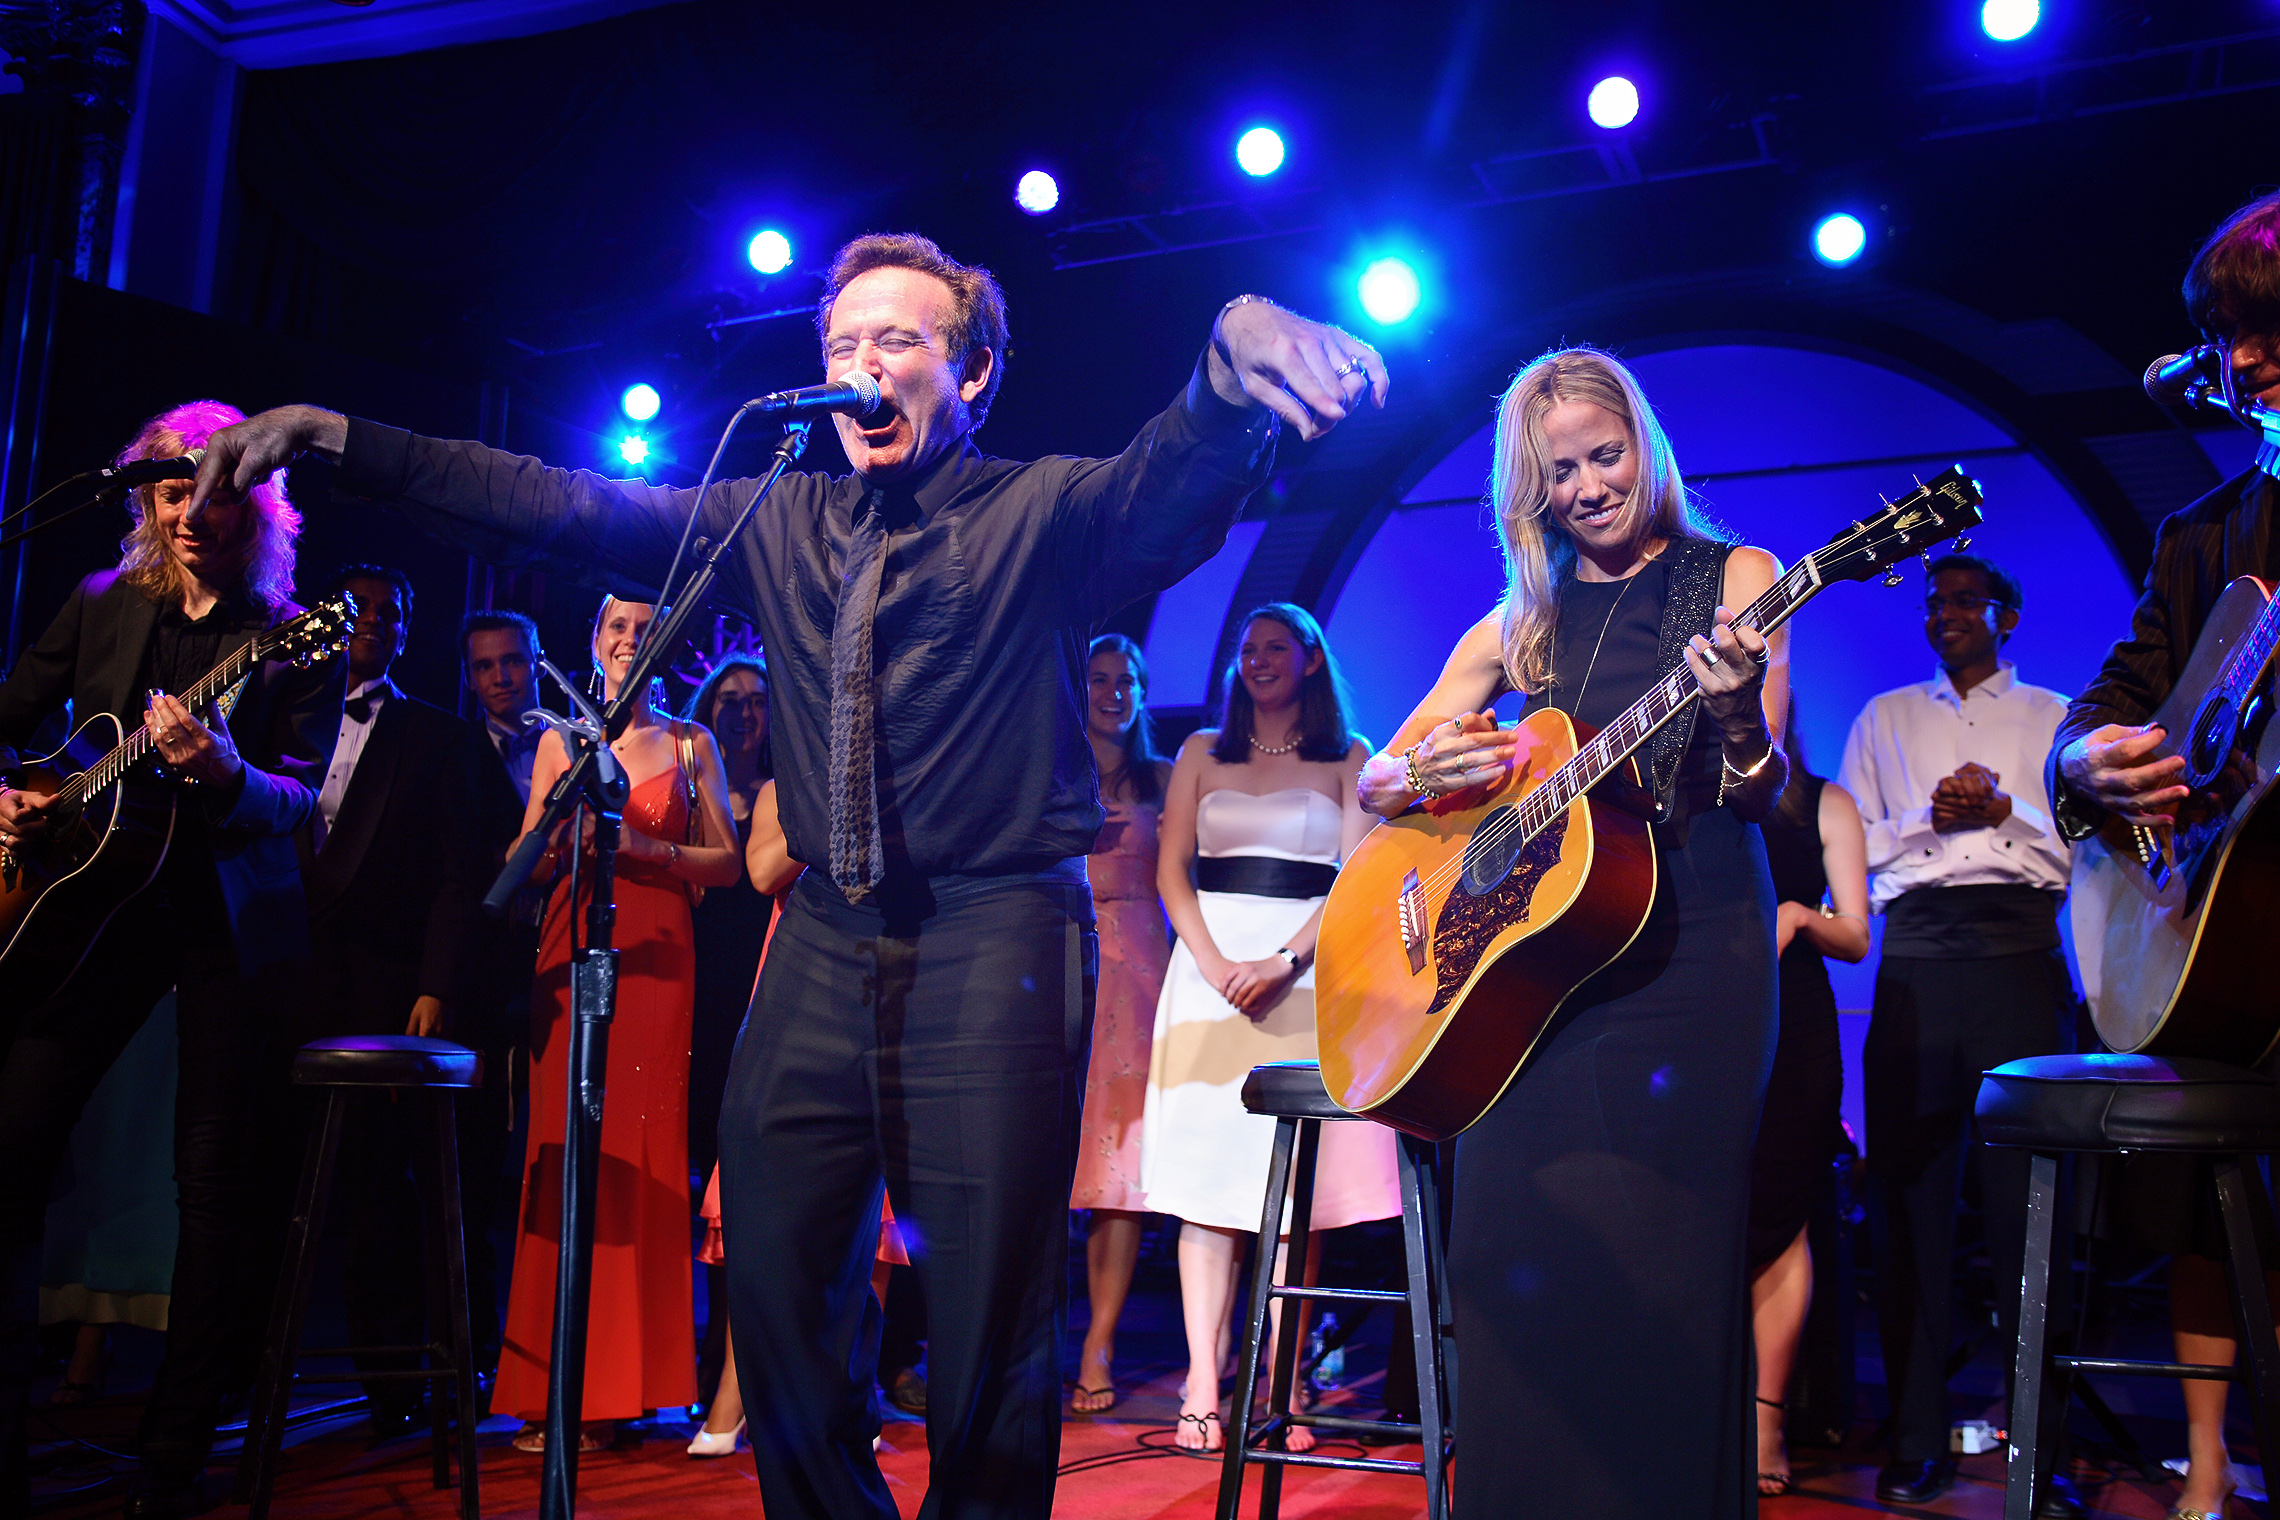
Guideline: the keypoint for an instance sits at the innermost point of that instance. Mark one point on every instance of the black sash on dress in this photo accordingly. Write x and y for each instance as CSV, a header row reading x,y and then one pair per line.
x,y
1263,876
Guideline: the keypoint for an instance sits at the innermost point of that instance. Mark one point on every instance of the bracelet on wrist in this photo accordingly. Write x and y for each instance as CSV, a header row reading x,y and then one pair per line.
x,y
1731,775
1411,776
1288,954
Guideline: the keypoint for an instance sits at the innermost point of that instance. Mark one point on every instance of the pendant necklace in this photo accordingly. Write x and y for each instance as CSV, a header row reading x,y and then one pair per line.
x,y
1576,708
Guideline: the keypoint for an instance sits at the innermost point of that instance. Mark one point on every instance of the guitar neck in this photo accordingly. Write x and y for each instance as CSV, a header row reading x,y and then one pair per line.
x,y
1663,701
2255,652
123,756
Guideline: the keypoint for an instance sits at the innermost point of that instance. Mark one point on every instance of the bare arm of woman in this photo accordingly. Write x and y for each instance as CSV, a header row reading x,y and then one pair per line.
x,y
710,862
1176,855
1844,860
1458,742
767,860
1255,986
1745,690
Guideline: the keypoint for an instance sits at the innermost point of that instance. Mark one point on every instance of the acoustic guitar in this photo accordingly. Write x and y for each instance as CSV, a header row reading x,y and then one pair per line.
x,y
1458,929
2171,928
57,892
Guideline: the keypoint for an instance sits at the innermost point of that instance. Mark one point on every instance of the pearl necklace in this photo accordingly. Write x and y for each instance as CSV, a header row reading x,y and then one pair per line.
x,y
1269,749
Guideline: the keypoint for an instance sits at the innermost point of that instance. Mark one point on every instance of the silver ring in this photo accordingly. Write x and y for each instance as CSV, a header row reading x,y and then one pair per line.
x,y
1349,367
1710,656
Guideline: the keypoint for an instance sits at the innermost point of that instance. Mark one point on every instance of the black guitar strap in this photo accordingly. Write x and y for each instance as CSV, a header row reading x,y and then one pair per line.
x,y
1697,577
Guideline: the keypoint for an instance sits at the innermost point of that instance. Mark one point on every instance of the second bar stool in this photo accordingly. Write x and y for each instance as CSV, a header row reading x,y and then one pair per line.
x,y
435,1071
1291,1092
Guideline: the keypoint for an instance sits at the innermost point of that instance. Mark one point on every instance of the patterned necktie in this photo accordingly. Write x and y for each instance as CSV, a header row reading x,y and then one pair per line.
x,y
858,853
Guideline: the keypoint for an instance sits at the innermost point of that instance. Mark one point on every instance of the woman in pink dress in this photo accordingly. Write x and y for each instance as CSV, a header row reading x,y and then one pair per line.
x,y
1135,946
677,835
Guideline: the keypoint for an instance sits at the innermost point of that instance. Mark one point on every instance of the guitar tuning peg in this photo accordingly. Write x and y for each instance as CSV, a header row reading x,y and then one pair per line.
x,y
1962,542
1926,557
1892,577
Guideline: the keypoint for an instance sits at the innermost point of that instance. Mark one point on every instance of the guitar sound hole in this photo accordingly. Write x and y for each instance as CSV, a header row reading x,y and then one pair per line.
x,y
2213,729
1495,847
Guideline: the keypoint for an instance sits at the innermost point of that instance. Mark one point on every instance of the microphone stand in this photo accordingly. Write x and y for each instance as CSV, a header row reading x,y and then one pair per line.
x,y
594,780
2209,396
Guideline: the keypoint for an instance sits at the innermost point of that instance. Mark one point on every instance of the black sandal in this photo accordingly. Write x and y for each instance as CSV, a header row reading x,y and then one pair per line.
x,y
1780,1481
1203,1423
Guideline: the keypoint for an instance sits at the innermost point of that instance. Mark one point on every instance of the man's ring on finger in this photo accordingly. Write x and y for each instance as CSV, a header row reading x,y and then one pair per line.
x,y
1349,367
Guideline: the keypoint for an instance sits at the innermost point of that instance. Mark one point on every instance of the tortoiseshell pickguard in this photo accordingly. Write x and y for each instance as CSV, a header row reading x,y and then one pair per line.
x,y
1467,923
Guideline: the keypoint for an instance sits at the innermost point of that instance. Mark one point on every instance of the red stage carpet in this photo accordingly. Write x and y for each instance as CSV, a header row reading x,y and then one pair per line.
x,y
1108,1474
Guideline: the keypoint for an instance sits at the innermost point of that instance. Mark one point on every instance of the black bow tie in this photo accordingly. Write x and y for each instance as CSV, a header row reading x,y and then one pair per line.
x,y
361,708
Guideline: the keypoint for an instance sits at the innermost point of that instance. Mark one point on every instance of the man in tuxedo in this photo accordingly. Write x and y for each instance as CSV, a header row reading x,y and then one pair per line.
x,y
409,823
498,655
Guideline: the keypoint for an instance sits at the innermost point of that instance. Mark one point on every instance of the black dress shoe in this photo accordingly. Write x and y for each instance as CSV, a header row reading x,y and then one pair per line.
x,y
165,1496
2060,1502
1914,1482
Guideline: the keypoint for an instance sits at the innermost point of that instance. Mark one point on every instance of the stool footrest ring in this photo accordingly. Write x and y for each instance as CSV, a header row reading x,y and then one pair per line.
x,y
1350,1464
2198,1371
1349,1295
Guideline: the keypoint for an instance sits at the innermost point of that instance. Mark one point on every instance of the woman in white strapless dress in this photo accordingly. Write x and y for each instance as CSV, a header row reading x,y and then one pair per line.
x,y
1260,811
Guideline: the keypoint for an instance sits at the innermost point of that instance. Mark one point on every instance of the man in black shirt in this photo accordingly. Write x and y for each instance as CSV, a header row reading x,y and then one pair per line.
x,y
223,924
921,1016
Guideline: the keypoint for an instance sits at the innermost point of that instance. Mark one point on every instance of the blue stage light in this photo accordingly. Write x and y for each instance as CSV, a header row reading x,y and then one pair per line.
x,y
2009,20
633,449
770,252
1613,102
1259,151
1036,193
1389,291
1838,240
640,402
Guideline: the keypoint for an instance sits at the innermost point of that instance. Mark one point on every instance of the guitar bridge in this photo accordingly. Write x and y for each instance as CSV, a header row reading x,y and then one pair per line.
x,y
1411,907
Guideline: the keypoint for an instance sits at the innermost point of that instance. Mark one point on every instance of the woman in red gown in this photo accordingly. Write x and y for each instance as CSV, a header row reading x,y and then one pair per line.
x,y
677,835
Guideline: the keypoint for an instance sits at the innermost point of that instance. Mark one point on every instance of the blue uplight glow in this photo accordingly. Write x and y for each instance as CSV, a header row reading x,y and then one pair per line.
x,y
1259,151
1389,291
770,252
633,449
1838,239
1036,192
1613,102
640,402
2009,20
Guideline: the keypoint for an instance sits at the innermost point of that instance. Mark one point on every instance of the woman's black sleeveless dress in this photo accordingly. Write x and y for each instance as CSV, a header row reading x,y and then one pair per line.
x,y
731,927
1798,1137
1596,1250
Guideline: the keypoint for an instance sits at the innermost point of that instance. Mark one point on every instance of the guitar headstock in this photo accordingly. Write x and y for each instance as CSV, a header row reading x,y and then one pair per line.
x,y
1946,506
316,635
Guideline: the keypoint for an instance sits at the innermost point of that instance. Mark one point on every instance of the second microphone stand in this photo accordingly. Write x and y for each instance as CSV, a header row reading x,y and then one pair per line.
x,y
594,782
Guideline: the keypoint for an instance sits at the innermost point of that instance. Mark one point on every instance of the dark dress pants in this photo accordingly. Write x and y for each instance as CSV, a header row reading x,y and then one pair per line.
x,y
225,1266
1938,1024
941,1049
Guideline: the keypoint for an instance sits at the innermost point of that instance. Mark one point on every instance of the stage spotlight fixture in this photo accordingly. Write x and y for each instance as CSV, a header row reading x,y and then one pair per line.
x,y
640,402
1838,240
1613,102
2009,20
1036,193
633,449
1259,151
770,252
1389,291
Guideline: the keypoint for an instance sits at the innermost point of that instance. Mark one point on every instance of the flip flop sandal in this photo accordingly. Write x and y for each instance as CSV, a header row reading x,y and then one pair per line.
x,y
1084,1392
1203,1424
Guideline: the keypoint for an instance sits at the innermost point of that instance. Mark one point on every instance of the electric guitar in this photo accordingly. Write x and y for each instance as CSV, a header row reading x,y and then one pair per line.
x,y
2172,929
59,890
1458,929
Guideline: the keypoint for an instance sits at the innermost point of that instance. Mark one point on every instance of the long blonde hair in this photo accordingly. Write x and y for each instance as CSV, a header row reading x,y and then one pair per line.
x,y
266,544
1538,554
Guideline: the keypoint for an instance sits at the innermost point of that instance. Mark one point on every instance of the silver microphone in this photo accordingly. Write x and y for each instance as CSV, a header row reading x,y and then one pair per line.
x,y
2170,376
857,395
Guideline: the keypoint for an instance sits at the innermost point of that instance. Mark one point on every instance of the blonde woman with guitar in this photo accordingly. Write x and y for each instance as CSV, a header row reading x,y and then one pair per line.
x,y
1597,1245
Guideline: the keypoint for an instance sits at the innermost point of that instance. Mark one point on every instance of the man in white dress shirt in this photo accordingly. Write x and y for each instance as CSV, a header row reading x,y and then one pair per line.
x,y
1968,869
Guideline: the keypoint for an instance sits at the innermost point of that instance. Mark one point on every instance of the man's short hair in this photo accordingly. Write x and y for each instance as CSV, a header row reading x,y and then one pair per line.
x,y
2233,286
388,573
491,618
2001,584
977,305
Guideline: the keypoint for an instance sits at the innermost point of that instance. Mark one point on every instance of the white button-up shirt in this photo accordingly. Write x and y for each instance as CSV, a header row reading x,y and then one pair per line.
x,y
1906,742
347,749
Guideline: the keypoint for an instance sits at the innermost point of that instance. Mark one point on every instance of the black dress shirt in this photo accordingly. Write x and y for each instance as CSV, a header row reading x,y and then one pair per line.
x,y
997,574
2196,554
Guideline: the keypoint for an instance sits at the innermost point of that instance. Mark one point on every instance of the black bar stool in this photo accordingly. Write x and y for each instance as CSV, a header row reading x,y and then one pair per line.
x,y
436,1070
2051,1105
1292,1093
